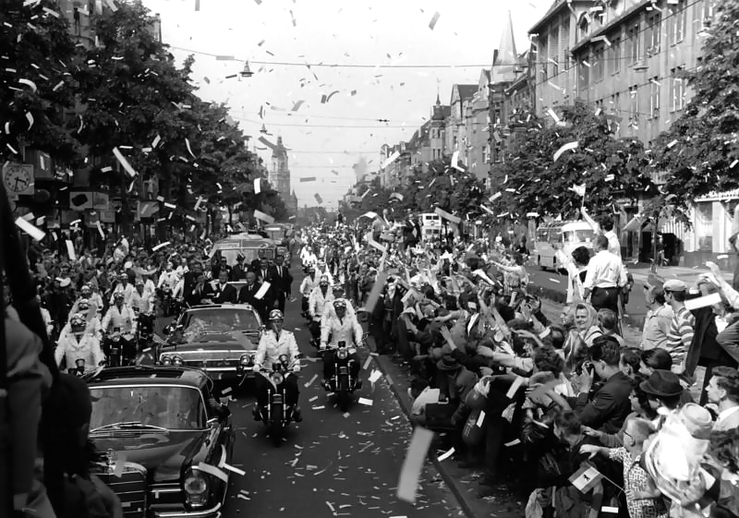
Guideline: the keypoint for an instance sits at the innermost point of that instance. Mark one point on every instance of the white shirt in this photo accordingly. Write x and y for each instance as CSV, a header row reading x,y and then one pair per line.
x,y
306,287
168,280
724,414
123,319
605,270
317,302
270,349
87,348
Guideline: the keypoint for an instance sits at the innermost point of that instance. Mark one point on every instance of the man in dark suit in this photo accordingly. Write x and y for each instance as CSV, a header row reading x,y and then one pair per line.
x,y
607,409
224,292
248,293
238,272
281,282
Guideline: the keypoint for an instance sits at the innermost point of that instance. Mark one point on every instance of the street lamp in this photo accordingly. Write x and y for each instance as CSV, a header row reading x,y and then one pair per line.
x,y
247,71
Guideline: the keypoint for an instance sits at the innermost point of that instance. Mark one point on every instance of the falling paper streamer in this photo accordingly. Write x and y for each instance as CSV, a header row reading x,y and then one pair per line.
x,y
434,19
100,229
554,116
30,83
414,459
315,376
267,143
122,160
160,246
264,217
262,291
308,179
455,161
703,302
297,105
70,250
257,185
189,149
318,198
29,118
392,158
449,217
570,146
29,229
365,401
212,470
446,455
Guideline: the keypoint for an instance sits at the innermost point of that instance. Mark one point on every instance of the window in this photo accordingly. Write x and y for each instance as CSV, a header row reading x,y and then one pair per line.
x,y
615,55
616,103
583,27
598,64
634,46
654,95
678,15
583,76
564,42
544,58
634,104
654,29
708,12
486,154
554,52
677,91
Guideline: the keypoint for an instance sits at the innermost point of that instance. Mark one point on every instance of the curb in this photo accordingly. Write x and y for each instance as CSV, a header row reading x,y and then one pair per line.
x,y
459,493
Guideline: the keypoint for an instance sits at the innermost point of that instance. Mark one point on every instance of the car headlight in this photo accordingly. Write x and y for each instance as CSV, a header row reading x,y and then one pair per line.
x,y
196,488
166,360
342,354
277,378
177,360
245,360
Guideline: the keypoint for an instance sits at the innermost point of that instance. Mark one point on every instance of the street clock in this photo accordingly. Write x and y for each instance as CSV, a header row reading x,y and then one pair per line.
x,y
18,178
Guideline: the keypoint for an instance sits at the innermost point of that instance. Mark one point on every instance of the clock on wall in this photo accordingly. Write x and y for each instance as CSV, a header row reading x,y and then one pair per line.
x,y
18,178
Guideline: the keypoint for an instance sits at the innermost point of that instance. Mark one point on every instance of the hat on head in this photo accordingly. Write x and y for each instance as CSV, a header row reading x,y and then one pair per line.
x,y
697,420
448,363
662,383
276,314
675,285
65,282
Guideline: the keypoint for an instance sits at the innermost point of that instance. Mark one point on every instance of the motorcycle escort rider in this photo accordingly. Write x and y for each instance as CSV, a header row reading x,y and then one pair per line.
x,y
319,297
124,287
274,343
340,324
86,292
93,326
120,317
80,349
306,288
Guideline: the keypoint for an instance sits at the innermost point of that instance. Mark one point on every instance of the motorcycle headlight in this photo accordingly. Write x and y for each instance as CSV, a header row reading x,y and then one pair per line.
x,y
177,360
342,354
196,488
166,360
277,378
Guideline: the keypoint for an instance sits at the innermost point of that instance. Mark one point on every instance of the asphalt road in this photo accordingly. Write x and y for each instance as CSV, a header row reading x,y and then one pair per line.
x,y
330,464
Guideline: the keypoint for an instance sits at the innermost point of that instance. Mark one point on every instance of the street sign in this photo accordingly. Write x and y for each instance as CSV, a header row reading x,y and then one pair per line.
x,y
18,179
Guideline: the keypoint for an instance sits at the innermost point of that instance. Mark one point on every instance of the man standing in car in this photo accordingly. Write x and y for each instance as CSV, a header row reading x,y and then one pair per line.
x,y
281,283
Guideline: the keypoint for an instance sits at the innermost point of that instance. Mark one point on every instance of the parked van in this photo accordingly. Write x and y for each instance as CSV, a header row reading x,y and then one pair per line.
x,y
561,235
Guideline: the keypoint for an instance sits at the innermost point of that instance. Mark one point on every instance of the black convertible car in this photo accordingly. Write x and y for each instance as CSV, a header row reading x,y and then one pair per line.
x,y
167,441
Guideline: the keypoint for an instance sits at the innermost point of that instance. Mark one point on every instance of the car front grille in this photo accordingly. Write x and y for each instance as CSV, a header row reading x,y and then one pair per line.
x,y
130,488
211,364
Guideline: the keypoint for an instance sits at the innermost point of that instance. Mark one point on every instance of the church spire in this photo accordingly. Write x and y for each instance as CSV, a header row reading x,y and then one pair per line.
x,y
506,62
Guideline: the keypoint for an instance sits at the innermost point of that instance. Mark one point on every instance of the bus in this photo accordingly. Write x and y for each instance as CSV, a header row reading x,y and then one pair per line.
x,y
561,235
430,226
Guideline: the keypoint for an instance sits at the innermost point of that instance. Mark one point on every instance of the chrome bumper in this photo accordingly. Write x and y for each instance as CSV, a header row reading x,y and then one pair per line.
x,y
213,512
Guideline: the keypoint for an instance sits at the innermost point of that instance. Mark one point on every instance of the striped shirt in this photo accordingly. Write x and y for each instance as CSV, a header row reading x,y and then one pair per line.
x,y
679,338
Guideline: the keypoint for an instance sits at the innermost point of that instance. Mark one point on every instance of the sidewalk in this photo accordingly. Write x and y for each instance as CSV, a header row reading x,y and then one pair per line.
x,y
641,272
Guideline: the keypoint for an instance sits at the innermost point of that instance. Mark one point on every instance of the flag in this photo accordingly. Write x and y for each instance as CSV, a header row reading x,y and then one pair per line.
x,y
586,478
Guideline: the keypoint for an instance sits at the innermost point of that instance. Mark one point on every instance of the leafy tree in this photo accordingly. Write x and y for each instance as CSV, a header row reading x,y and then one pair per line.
x,y
700,152
529,180
35,66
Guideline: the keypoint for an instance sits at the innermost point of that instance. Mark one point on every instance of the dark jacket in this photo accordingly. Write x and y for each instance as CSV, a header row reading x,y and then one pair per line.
x,y
227,294
280,283
247,296
609,406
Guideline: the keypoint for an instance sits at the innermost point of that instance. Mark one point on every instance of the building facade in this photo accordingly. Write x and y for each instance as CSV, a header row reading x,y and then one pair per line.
x,y
477,129
279,177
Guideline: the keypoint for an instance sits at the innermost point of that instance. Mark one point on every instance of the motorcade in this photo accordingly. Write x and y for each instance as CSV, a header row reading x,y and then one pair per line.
x,y
281,234
560,235
167,444
250,246
220,339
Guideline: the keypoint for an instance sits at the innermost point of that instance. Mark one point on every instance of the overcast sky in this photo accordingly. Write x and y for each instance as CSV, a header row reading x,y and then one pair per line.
x,y
331,136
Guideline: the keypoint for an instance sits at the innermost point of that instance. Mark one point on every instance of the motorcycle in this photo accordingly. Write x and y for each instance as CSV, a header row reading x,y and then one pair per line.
x,y
170,305
342,383
144,328
276,415
119,349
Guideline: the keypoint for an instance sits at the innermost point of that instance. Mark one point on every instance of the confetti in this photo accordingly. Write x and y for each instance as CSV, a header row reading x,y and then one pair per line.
x,y
212,470
570,146
264,217
29,229
446,455
122,160
310,382
160,246
365,401
29,118
434,19
411,472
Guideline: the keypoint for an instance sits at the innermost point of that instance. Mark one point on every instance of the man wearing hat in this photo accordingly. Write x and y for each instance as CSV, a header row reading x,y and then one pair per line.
x,y
274,343
682,326
238,272
664,390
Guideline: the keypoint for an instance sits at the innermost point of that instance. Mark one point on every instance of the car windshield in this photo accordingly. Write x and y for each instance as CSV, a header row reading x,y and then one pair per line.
x,y
198,324
174,408
579,236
